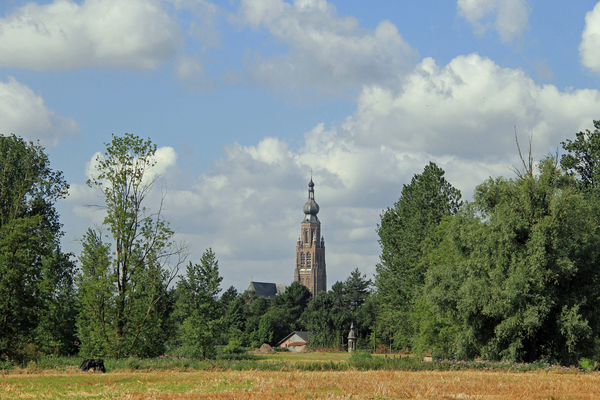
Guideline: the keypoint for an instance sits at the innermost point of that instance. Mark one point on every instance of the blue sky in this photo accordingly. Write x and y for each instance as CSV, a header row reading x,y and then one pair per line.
x,y
244,98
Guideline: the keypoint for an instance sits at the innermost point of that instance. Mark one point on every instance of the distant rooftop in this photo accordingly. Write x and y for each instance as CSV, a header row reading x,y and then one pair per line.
x,y
268,289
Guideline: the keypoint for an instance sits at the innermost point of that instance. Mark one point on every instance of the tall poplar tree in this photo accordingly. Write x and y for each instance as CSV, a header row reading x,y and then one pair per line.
x,y
400,276
125,279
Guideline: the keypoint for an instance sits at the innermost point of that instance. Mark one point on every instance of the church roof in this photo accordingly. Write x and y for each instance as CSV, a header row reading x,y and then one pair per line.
x,y
268,289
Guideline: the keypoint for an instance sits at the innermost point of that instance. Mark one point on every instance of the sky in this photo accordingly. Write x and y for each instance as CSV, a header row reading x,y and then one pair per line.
x,y
243,98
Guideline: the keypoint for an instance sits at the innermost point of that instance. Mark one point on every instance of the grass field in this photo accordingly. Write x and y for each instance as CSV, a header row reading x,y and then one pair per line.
x,y
307,357
73,384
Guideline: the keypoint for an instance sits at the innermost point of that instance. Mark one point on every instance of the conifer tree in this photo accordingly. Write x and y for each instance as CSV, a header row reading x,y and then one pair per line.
x,y
198,307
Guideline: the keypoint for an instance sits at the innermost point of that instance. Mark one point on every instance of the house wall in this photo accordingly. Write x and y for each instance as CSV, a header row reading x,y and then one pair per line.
x,y
293,339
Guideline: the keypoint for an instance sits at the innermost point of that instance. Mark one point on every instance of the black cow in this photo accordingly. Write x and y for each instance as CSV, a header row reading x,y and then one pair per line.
x,y
95,364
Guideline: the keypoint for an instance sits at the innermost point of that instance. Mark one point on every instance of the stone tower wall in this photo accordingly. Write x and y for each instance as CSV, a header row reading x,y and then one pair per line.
x,y
310,259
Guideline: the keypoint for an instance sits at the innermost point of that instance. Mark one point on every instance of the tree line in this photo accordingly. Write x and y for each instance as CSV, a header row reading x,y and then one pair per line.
x,y
126,296
509,275
512,275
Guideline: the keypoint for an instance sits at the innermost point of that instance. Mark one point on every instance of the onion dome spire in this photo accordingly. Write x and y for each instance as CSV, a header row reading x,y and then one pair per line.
x,y
311,208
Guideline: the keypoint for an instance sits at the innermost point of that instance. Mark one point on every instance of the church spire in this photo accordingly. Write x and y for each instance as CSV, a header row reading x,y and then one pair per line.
x,y
311,208
310,250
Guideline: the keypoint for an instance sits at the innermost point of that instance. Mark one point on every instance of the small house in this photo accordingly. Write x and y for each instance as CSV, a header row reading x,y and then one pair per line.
x,y
295,341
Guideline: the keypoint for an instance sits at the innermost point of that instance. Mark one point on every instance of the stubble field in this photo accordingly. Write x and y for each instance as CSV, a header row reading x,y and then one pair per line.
x,y
258,384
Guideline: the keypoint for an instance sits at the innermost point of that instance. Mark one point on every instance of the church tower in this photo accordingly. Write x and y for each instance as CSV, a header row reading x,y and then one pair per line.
x,y
310,248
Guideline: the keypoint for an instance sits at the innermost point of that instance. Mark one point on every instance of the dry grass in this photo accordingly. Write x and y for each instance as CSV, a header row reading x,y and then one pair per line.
x,y
294,358
300,384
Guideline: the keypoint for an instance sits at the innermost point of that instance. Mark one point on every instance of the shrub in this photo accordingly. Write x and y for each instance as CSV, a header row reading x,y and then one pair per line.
x,y
281,349
233,347
586,363
133,363
360,356
237,356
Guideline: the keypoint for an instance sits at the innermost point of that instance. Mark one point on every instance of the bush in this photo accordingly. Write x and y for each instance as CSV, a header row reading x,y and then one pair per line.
x,y
234,347
245,361
133,363
237,356
26,353
586,363
60,363
360,356
281,349
6,365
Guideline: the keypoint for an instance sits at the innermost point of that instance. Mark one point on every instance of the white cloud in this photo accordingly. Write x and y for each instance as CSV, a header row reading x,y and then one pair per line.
x,y
511,16
203,26
191,70
589,49
199,19
248,208
25,114
327,53
165,158
469,109
461,116
65,34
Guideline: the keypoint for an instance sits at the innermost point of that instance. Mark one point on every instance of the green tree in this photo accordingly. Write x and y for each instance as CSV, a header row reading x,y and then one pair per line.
x,y
198,307
35,276
362,306
283,315
95,322
293,301
144,259
234,322
273,326
329,315
356,291
256,306
228,297
514,275
583,157
55,332
323,318
581,161
400,277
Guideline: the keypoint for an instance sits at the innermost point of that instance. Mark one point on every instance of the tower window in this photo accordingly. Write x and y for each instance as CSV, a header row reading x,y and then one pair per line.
x,y
308,259
302,259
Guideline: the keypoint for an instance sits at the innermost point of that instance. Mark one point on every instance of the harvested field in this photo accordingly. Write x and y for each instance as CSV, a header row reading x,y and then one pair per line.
x,y
302,357
301,384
